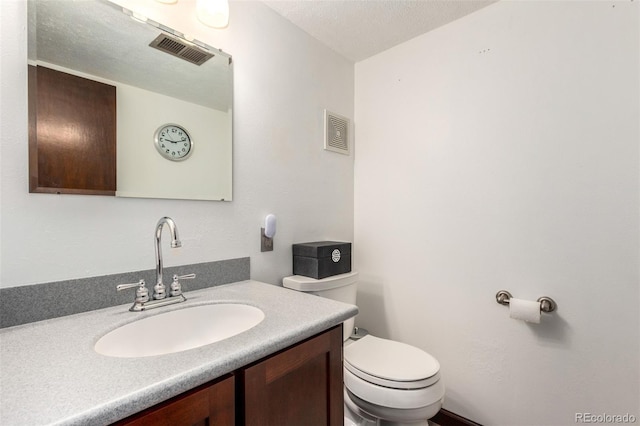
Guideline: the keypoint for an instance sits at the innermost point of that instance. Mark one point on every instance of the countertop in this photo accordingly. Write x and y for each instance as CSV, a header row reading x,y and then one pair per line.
x,y
50,374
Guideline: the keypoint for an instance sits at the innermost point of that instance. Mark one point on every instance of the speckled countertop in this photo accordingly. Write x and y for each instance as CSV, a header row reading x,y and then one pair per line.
x,y
50,374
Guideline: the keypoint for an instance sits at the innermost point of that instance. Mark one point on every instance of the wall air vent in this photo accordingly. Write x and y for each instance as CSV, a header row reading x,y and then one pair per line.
x,y
176,47
336,133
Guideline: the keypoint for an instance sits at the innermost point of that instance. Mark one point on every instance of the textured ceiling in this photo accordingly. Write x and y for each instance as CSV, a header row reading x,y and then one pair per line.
x,y
97,38
358,29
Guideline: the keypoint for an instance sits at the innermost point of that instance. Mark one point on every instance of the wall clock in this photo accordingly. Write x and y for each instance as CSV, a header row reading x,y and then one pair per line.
x,y
173,142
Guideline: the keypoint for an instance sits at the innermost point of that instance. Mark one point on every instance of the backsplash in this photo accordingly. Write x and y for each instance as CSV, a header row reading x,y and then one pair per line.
x,y
25,304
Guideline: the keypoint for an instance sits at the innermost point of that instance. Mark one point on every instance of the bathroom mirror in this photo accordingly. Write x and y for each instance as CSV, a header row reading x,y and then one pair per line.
x,y
183,83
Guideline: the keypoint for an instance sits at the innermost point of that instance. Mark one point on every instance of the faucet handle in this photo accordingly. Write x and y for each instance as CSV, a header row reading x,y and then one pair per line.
x,y
184,277
142,293
176,287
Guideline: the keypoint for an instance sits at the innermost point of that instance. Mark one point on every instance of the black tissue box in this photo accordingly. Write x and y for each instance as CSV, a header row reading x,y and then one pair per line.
x,y
321,259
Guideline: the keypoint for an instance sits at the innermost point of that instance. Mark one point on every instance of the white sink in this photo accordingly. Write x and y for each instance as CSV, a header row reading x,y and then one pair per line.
x,y
179,330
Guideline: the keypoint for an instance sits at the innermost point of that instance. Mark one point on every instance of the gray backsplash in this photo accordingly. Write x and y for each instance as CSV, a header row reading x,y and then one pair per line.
x,y
24,304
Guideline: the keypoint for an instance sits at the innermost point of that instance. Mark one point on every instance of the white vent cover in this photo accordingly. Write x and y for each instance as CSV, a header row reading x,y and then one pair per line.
x,y
336,133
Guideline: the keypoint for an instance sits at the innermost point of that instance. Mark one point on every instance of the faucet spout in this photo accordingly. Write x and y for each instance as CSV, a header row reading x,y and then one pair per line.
x,y
175,242
142,302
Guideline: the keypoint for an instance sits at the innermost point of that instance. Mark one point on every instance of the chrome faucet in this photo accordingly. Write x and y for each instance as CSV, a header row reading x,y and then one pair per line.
x,y
159,289
142,301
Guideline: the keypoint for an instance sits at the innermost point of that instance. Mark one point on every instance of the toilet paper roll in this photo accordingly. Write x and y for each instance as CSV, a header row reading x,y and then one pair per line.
x,y
525,310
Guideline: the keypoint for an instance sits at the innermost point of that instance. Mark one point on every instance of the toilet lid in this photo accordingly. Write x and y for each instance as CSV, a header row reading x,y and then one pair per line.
x,y
390,360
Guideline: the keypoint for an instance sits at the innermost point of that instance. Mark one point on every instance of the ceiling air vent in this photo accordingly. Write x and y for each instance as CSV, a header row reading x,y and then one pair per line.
x,y
176,47
336,133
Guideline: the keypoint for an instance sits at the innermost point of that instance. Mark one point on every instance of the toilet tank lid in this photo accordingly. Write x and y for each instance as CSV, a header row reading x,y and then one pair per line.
x,y
302,283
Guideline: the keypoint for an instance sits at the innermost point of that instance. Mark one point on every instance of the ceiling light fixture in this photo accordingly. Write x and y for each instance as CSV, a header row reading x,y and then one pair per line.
x,y
167,1
213,13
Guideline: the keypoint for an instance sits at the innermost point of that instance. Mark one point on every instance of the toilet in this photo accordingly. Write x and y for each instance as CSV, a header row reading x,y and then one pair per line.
x,y
385,382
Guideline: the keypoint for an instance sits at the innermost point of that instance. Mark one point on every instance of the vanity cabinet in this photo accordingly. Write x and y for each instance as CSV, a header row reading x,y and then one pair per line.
x,y
300,385
210,404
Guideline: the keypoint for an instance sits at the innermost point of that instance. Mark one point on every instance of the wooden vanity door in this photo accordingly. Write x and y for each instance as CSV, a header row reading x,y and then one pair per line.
x,y
212,404
301,385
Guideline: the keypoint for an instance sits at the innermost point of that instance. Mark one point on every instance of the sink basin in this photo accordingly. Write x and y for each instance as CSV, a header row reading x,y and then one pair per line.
x,y
179,330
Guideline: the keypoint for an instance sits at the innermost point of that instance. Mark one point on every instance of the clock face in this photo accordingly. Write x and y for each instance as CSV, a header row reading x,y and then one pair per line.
x,y
173,142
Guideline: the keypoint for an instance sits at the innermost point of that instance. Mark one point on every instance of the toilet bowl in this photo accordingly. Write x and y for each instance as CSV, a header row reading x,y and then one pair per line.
x,y
385,382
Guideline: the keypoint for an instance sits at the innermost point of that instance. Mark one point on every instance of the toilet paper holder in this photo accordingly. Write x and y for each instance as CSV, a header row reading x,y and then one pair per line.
x,y
547,304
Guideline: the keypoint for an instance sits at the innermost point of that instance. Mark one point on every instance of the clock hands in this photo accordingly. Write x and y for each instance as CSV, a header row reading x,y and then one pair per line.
x,y
181,140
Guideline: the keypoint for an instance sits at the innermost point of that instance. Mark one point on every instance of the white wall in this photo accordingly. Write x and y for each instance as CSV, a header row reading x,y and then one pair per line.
x,y
501,152
283,80
142,172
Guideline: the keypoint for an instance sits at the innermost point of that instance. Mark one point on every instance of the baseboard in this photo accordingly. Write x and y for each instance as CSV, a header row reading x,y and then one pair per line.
x,y
447,418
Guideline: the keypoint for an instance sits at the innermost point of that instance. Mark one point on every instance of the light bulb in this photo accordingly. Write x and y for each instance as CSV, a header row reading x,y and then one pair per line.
x,y
213,13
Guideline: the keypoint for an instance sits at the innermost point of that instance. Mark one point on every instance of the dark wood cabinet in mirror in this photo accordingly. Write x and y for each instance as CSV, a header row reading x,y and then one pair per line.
x,y
72,144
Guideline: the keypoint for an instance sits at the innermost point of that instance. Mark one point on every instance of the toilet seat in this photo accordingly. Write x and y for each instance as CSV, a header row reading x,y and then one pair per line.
x,y
391,364
392,374
392,384
406,399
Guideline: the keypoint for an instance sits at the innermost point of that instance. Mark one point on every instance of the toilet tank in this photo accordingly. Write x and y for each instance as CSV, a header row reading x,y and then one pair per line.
x,y
342,288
